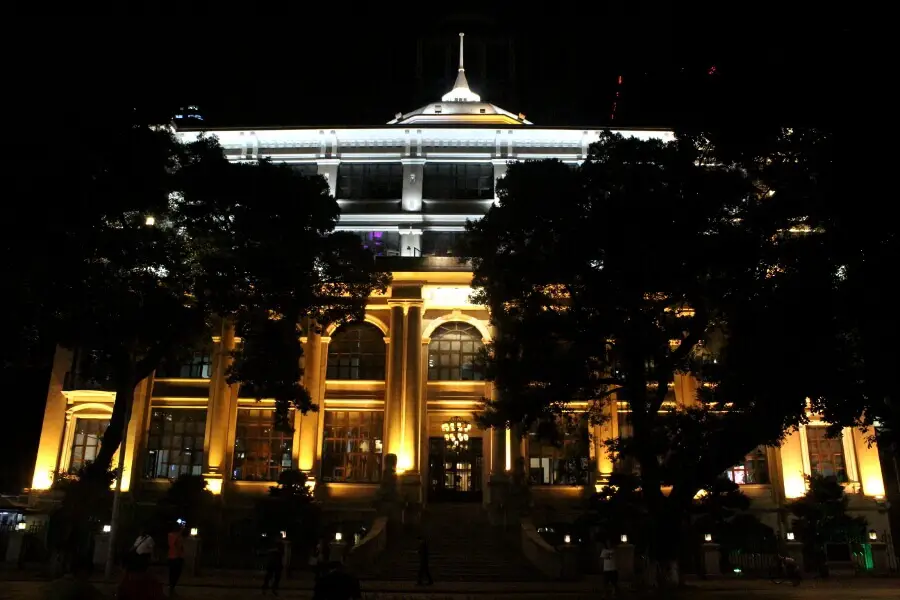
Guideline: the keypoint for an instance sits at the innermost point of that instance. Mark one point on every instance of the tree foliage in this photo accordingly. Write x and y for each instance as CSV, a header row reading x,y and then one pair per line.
x,y
651,260
160,240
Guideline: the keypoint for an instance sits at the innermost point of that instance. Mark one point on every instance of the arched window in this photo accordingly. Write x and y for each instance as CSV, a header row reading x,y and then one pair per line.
x,y
356,351
454,353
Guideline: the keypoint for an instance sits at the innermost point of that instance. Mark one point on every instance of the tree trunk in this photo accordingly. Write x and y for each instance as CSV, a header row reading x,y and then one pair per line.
x,y
112,438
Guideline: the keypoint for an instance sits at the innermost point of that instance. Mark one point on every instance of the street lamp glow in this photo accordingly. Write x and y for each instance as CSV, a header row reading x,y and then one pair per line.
x,y
194,531
107,528
707,537
151,221
873,535
567,539
790,536
623,538
338,536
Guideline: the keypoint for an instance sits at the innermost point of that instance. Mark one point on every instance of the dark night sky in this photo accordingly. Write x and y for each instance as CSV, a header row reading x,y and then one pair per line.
x,y
335,69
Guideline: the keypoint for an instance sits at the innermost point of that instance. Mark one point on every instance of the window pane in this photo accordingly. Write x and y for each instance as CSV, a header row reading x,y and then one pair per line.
x,y
348,452
261,452
358,350
169,455
454,348
86,442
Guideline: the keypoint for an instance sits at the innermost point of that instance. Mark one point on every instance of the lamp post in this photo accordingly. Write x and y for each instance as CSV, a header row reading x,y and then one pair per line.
x,y
456,434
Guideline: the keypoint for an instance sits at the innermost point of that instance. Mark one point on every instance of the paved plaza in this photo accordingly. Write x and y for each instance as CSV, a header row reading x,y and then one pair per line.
x,y
230,588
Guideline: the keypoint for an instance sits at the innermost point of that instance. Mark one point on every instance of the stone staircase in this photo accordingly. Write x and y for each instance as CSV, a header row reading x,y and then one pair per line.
x,y
463,546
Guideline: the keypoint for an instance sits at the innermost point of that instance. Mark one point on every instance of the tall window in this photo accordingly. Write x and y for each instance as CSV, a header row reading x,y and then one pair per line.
x,y
370,181
440,243
86,443
754,468
565,465
458,181
306,169
175,443
261,452
454,353
353,445
826,455
356,351
381,243
197,366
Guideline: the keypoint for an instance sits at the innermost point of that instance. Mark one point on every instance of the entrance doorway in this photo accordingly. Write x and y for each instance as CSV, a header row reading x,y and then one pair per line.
x,y
454,476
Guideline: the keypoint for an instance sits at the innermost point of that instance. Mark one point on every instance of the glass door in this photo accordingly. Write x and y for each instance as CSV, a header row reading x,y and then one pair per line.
x,y
454,476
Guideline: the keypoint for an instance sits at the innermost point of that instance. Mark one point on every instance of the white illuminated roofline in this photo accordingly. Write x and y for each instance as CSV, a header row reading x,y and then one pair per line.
x,y
287,138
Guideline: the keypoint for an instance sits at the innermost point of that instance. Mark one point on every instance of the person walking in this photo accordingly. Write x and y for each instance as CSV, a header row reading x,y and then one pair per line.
x,y
143,548
274,565
610,570
424,572
176,555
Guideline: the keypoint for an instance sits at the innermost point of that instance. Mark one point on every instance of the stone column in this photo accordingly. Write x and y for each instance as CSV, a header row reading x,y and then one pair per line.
x,y
394,402
413,177
500,166
53,428
602,433
306,426
411,242
218,408
409,459
328,168
868,462
792,471
134,438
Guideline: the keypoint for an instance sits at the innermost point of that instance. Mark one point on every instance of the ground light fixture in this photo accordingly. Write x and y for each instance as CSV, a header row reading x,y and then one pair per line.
x,y
107,528
707,537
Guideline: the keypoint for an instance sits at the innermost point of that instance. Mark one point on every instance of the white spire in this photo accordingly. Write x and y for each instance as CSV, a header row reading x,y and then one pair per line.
x,y
461,91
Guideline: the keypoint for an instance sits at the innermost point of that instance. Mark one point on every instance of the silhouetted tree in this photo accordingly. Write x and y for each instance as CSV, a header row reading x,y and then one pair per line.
x,y
650,260
158,239
820,517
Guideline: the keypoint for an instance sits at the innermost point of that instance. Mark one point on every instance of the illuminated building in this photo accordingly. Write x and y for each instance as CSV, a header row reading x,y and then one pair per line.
x,y
391,384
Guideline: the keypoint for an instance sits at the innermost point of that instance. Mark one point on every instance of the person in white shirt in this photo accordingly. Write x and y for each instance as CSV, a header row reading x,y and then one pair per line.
x,y
610,572
143,548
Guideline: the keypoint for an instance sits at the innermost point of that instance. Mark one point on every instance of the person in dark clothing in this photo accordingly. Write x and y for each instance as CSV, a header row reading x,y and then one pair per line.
x,y
424,572
274,564
336,584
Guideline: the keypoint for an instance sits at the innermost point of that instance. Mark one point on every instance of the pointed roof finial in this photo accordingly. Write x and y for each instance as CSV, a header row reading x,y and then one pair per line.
x,y
461,91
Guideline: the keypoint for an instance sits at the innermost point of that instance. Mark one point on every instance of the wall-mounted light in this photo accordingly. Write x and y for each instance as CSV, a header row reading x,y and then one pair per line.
x,y
873,535
707,537
107,528
567,539
338,536
21,526
790,536
623,538
194,531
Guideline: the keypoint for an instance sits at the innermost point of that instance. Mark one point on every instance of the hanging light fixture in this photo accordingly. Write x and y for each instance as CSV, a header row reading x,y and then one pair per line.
x,y
456,434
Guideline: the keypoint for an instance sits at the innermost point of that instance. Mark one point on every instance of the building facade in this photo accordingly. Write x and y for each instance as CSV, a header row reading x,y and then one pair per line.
x,y
406,377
